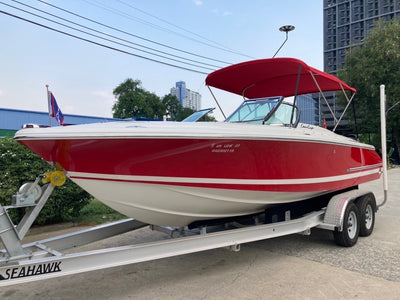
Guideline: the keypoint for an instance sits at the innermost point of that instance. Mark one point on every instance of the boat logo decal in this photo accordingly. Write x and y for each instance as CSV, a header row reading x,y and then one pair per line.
x,y
307,126
31,270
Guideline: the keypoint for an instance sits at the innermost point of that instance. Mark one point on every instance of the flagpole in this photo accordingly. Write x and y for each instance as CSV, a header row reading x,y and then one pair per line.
x,y
48,103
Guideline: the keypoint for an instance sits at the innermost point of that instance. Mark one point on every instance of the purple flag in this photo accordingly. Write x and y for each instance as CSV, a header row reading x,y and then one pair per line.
x,y
55,110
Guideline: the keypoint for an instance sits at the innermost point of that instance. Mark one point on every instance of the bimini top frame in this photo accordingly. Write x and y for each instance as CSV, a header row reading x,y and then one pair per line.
x,y
277,77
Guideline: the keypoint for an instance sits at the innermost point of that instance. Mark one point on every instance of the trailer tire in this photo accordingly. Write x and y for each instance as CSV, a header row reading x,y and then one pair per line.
x,y
367,208
351,227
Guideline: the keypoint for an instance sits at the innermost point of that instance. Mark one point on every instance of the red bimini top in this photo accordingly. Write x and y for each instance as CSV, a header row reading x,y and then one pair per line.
x,y
274,77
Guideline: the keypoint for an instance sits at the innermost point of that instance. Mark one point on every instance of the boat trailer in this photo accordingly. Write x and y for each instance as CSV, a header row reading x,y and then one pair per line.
x,y
46,258
348,214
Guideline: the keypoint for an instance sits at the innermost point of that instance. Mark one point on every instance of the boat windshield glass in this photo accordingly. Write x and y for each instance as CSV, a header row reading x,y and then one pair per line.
x,y
253,110
264,111
198,114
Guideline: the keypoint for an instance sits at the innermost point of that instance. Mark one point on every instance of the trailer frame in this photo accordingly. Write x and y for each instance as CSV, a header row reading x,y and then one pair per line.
x,y
47,258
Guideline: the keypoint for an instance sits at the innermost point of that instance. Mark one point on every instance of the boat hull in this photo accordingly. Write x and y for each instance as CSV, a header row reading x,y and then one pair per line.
x,y
177,206
177,178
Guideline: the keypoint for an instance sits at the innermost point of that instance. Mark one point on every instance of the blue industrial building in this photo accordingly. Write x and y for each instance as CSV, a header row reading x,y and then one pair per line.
x,y
12,120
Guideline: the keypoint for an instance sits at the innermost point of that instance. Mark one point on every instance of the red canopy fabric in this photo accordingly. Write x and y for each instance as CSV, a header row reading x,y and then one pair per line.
x,y
273,77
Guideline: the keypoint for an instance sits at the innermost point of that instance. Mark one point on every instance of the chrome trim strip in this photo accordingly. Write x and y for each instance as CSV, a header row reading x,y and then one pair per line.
x,y
365,168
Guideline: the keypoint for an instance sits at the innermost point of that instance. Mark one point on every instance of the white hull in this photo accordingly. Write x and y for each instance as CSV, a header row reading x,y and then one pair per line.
x,y
179,205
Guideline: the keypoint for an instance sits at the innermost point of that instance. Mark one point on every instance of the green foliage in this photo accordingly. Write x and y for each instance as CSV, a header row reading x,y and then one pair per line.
x,y
376,62
184,113
134,101
19,165
5,132
177,113
207,118
172,106
96,213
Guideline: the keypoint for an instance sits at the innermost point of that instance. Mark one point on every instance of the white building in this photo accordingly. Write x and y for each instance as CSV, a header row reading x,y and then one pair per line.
x,y
186,97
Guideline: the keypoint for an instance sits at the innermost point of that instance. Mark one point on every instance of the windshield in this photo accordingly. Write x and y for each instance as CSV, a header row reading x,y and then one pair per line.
x,y
283,115
253,110
198,114
265,111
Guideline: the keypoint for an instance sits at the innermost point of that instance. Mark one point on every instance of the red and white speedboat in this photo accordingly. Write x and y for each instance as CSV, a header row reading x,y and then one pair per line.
x,y
175,173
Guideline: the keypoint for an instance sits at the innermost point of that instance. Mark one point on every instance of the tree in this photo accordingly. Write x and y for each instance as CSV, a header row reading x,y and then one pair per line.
x,y
134,101
177,112
172,106
207,118
376,62
19,165
184,113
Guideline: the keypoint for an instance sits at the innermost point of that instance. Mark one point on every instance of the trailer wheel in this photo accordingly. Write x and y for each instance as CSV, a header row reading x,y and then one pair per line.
x,y
351,227
367,207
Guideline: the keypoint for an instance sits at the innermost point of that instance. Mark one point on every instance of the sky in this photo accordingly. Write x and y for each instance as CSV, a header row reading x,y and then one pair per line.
x,y
83,75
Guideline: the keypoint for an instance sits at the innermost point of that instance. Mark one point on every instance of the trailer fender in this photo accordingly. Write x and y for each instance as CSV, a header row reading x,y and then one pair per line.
x,y
334,215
